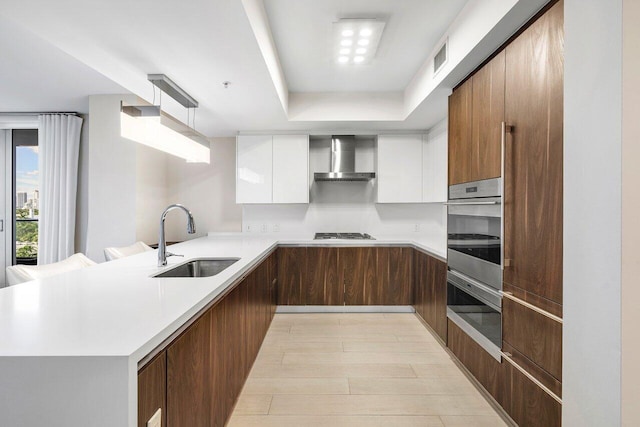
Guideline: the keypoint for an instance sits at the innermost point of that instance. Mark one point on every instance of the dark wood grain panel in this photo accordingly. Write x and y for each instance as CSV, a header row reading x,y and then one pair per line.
x,y
533,299
322,283
357,271
536,371
273,280
235,365
460,147
190,376
437,280
533,175
152,388
220,408
419,280
396,278
291,270
530,406
488,371
536,336
486,119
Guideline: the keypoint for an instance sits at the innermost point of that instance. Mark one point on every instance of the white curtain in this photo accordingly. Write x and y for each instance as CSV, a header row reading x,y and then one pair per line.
x,y
58,147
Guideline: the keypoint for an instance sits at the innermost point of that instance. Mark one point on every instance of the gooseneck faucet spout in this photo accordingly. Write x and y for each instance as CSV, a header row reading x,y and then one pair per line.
x,y
162,243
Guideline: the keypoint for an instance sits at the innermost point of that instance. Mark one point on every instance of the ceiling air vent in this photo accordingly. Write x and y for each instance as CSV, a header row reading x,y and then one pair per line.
x,y
441,58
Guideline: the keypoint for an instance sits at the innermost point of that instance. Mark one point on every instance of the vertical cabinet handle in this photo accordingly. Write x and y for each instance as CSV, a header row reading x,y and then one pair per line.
x,y
1,225
503,153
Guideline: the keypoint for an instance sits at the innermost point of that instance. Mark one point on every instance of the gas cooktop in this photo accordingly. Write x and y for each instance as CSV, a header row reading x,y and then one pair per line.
x,y
353,236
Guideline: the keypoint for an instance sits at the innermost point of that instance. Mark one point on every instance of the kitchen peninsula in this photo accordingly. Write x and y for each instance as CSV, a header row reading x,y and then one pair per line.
x,y
72,344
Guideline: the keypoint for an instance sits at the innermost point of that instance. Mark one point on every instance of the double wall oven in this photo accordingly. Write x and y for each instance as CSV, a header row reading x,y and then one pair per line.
x,y
475,258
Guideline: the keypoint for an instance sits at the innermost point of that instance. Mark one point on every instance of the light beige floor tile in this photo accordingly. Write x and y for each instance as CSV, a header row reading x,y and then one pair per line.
x,y
381,347
304,347
438,370
423,337
253,404
379,405
336,337
399,386
334,421
473,421
333,371
269,357
296,386
353,330
364,357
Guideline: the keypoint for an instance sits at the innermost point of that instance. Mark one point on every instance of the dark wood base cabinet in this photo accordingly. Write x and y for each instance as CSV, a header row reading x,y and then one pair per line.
x,y
430,292
197,378
345,276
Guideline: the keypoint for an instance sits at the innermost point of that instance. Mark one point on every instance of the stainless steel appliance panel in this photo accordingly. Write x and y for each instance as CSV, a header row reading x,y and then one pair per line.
x,y
477,189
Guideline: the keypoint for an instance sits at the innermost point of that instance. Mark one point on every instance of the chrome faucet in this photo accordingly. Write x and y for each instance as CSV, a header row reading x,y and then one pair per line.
x,y
162,244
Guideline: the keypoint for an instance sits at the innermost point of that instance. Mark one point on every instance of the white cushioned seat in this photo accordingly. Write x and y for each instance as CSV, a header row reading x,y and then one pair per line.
x,y
116,253
23,273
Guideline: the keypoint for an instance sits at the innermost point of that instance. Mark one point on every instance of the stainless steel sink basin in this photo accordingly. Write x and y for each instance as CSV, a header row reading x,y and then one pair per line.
x,y
201,267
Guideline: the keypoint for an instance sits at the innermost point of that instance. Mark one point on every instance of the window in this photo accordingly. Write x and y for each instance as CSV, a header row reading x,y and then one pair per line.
x,y
26,191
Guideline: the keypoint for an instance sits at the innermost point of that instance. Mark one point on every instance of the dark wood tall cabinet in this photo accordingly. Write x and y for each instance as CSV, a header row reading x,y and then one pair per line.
x,y
460,145
533,173
430,292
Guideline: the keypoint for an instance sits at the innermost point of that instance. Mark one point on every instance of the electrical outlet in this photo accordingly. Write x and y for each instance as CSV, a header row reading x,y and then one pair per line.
x,y
276,228
248,228
156,420
416,227
264,228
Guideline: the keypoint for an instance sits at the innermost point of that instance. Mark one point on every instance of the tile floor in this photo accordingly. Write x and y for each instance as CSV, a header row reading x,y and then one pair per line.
x,y
357,369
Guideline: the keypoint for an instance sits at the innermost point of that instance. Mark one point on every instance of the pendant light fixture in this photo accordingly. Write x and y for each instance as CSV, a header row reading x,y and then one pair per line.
x,y
149,125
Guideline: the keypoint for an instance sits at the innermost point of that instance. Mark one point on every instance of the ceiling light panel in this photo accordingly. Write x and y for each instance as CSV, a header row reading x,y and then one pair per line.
x,y
364,34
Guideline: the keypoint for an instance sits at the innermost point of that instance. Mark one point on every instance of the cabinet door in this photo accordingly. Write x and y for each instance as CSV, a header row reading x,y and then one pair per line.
x,y
254,169
487,116
419,279
437,296
152,387
290,169
190,376
322,284
460,146
533,172
399,174
291,270
434,164
395,272
357,270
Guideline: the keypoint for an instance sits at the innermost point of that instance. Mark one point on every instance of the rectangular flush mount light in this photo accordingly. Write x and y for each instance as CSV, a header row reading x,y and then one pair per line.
x,y
356,40
147,125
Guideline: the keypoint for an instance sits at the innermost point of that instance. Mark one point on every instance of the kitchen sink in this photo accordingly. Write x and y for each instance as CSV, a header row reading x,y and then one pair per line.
x,y
201,267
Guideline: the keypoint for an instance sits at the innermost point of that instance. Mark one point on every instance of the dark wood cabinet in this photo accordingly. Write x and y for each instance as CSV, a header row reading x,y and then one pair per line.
x,y
460,144
394,276
190,376
322,283
487,115
357,270
292,267
535,336
533,167
430,290
152,384
492,374
530,406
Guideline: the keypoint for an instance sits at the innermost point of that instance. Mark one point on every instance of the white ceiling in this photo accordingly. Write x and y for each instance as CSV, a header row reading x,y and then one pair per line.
x,y
201,43
303,36
37,76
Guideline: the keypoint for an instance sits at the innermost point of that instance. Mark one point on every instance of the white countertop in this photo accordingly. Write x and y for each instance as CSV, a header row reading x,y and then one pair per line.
x,y
117,309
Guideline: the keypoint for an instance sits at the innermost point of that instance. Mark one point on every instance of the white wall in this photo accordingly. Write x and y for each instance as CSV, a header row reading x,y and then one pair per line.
x,y
123,188
592,212
630,296
209,191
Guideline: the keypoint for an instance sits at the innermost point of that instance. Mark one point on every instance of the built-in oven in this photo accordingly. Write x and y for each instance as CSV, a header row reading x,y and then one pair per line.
x,y
474,228
475,259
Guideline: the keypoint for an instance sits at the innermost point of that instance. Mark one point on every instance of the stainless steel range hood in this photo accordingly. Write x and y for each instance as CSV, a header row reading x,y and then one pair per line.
x,y
343,162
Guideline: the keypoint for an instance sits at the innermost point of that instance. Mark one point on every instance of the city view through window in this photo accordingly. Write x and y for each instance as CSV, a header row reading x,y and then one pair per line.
x,y
27,203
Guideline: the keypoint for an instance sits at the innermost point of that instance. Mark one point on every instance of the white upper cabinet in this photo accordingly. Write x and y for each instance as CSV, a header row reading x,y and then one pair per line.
x,y
399,174
290,169
272,169
434,164
254,169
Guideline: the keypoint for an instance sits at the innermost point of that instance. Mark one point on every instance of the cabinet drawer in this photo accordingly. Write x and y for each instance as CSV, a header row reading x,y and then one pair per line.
x,y
534,334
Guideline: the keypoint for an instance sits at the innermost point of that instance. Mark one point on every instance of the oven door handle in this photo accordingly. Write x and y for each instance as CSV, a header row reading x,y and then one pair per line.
x,y
494,202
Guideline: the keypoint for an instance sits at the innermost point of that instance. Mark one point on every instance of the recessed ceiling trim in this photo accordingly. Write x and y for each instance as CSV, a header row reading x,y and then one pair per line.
x,y
259,23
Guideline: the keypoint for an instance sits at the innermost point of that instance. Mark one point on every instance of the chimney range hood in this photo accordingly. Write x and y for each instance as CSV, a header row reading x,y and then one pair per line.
x,y
343,162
